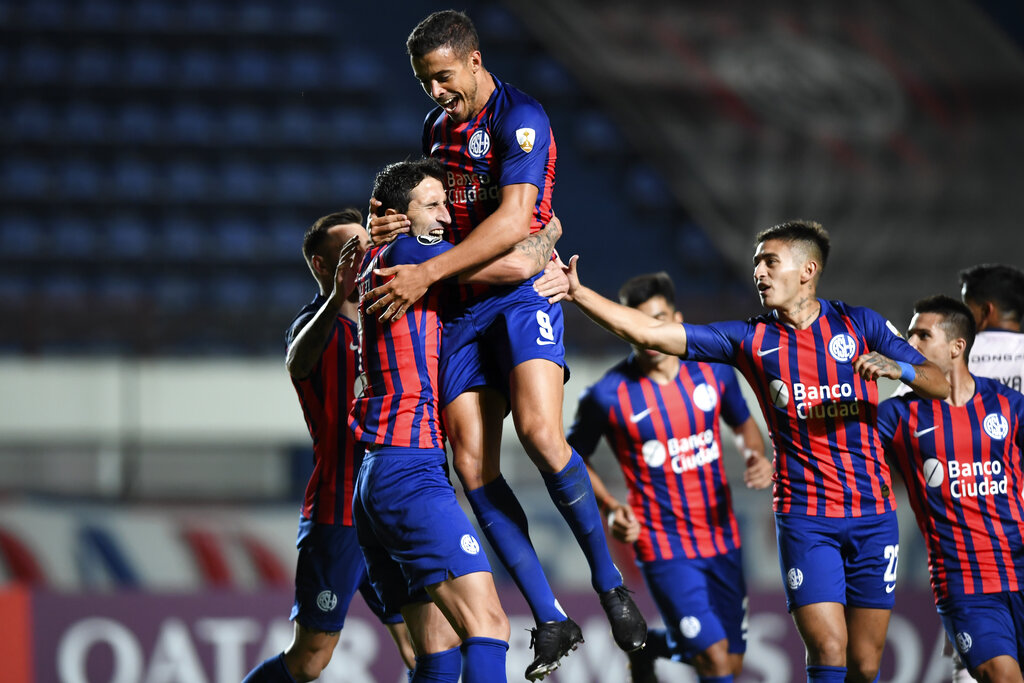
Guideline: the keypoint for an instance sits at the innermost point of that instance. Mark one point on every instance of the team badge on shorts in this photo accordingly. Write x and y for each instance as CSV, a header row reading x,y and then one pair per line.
x,y
996,426
479,143
963,642
326,601
469,544
690,626
842,347
794,578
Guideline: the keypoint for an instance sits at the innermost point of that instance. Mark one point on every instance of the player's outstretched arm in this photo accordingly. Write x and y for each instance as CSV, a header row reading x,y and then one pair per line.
x,y
305,349
926,379
498,233
627,323
527,258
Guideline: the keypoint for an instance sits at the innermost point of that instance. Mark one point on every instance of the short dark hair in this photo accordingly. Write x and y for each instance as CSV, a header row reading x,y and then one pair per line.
x,y
396,181
1000,285
641,288
446,28
808,232
317,233
957,321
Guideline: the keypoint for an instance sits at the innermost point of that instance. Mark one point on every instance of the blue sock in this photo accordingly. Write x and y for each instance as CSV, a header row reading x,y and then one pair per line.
x,y
483,660
715,679
572,493
271,670
826,673
503,522
438,667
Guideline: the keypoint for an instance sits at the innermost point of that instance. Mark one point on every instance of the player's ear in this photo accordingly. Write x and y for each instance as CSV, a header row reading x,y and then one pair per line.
x,y
808,270
678,316
390,212
957,347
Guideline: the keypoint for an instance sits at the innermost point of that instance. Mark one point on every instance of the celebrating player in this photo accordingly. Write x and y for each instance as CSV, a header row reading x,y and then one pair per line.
x,y
995,295
660,415
812,364
505,344
961,460
323,364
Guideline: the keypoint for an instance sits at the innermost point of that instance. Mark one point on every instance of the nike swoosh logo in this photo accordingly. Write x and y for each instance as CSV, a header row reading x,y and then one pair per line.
x,y
636,417
921,432
765,352
544,342
353,347
890,587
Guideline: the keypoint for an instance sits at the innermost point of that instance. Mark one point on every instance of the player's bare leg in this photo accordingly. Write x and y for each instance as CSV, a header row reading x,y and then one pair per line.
x,y
310,652
437,645
1001,669
471,605
536,390
474,421
866,629
714,661
822,627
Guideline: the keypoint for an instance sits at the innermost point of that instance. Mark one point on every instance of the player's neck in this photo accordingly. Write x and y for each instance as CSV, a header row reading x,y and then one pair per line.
x,y
664,371
801,312
962,385
350,309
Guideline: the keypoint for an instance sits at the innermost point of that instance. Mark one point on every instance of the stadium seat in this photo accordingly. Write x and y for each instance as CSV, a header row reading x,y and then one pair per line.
x,y
31,120
128,236
79,178
84,122
297,124
98,14
235,239
45,13
289,293
74,236
150,14
95,64
304,70
24,177
242,180
191,123
183,237
358,69
15,290
134,179
200,68
146,65
244,124
294,181
203,15
257,16
188,180
64,288
138,122
20,235
251,68
234,291
39,62
177,292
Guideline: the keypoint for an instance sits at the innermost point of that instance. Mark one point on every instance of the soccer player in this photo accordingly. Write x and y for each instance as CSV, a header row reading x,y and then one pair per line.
x,y
323,363
961,460
422,553
660,416
504,345
812,364
995,295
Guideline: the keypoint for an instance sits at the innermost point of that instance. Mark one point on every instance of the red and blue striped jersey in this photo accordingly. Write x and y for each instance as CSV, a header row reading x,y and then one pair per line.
x,y
326,397
508,142
398,405
962,466
667,441
821,415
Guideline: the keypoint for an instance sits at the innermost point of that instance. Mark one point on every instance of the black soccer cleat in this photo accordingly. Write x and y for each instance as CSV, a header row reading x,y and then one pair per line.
x,y
629,629
551,641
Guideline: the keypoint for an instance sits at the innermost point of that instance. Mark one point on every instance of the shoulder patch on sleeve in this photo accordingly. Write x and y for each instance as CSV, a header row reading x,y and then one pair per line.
x,y
526,137
892,328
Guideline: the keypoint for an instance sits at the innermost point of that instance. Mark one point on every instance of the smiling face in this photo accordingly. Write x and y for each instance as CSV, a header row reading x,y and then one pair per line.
x,y
428,208
781,270
453,82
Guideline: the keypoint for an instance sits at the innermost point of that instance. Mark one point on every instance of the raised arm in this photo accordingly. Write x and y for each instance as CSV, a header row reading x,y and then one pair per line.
x,y
627,323
306,348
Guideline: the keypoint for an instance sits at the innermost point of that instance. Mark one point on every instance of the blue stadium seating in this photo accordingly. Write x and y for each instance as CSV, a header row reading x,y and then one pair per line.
x,y
79,178
39,62
138,122
128,236
31,120
20,235
74,236
134,179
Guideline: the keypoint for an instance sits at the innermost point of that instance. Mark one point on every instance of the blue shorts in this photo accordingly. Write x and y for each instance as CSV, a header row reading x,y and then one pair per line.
x,y
486,339
701,601
412,532
849,560
985,626
328,572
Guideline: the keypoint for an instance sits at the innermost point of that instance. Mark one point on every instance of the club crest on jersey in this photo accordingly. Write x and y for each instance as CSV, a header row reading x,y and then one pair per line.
x,y
326,601
479,143
525,137
705,397
469,544
996,426
934,473
842,347
654,453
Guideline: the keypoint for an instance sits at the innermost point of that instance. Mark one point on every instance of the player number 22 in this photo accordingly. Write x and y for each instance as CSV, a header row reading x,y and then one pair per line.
x,y
892,553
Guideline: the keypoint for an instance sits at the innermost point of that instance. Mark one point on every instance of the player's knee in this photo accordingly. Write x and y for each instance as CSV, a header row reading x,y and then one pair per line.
x,y
307,664
714,661
494,622
827,650
545,443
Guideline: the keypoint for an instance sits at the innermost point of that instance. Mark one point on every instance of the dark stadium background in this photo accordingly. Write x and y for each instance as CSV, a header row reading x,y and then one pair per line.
x,y
160,160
